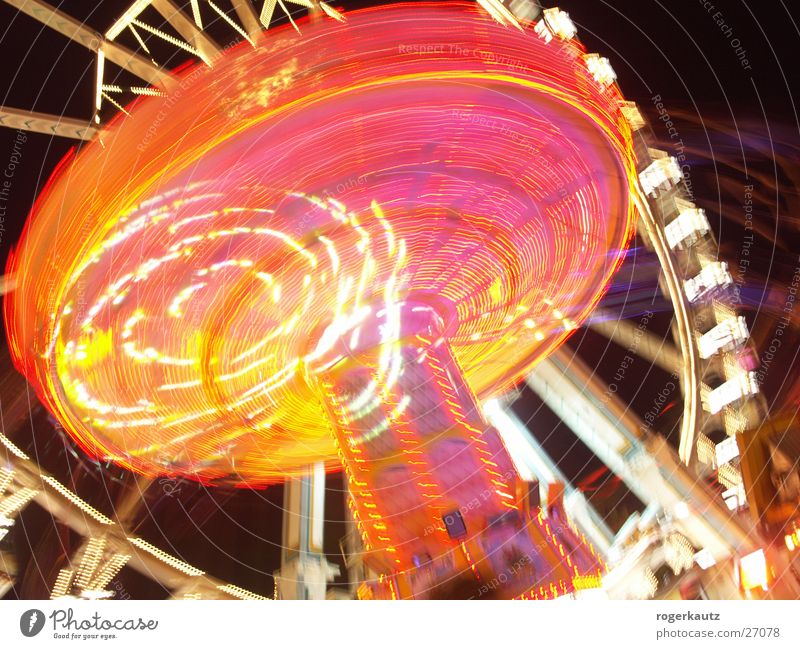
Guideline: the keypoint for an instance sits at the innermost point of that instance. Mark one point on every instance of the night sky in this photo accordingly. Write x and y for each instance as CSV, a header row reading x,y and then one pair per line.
x,y
732,112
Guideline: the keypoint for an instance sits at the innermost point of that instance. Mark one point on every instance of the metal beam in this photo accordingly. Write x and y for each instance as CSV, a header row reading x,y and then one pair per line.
x,y
640,341
530,458
684,326
132,13
44,123
248,17
168,571
92,40
305,571
27,474
646,463
195,36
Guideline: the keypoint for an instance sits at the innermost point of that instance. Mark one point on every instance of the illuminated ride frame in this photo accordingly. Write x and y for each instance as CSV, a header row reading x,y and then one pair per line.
x,y
441,215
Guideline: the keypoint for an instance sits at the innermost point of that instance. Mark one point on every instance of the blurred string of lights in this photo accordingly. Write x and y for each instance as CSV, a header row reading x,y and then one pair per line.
x,y
97,564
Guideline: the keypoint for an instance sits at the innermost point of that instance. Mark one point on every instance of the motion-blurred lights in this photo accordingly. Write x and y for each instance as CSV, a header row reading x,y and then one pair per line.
x,y
741,385
591,593
600,69
497,10
632,115
792,540
555,23
166,558
714,275
644,585
75,500
735,497
96,594
662,173
728,333
681,511
678,552
753,570
726,450
704,559
686,228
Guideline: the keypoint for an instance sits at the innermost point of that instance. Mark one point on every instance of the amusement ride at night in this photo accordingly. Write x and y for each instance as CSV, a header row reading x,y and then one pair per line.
x,y
339,244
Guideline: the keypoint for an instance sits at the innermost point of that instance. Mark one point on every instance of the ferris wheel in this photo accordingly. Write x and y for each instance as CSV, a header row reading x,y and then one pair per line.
x,y
154,67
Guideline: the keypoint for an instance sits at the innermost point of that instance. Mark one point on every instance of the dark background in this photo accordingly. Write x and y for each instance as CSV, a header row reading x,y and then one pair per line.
x,y
728,118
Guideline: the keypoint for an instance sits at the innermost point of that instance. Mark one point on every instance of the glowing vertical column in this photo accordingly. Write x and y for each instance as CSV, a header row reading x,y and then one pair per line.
x,y
432,484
